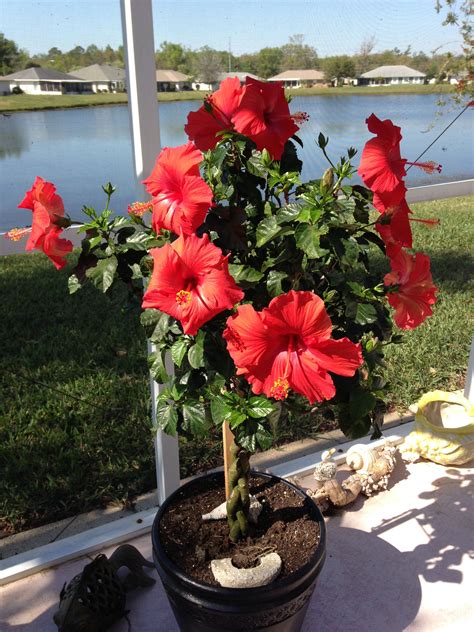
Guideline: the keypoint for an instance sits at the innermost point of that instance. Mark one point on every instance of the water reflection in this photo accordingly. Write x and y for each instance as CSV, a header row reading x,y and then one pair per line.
x,y
81,149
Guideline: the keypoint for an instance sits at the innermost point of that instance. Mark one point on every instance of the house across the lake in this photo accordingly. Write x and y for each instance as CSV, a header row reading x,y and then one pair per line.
x,y
390,76
46,81
103,78
4,86
300,78
172,81
214,85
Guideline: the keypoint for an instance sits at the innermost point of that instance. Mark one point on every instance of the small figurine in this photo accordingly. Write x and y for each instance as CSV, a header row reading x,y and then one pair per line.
x,y
326,470
95,599
443,431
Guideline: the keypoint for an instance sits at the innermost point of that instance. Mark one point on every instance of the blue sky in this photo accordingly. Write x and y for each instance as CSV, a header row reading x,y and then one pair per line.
x,y
331,26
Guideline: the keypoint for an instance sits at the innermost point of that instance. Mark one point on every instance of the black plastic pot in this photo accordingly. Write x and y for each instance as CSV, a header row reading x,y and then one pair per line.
x,y
277,607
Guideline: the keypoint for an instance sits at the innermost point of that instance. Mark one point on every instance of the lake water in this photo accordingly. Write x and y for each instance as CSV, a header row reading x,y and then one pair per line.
x,y
81,149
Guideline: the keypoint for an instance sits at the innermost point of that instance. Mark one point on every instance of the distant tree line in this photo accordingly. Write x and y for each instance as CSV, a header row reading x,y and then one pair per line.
x,y
206,63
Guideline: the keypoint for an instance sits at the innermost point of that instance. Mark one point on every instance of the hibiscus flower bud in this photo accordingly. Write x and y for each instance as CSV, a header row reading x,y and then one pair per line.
x,y
327,181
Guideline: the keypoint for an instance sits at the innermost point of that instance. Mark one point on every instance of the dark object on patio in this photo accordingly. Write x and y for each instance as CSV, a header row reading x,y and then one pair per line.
x,y
94,599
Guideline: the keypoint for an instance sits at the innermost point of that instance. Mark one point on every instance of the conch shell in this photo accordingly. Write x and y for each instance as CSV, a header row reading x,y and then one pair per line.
x,y
361,458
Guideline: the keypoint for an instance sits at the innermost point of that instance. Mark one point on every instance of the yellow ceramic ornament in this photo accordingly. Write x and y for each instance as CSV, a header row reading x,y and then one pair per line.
x,y
443,431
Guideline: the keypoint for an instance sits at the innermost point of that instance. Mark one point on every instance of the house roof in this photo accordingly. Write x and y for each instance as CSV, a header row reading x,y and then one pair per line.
x,y
41,74
386,72
171,76
299,75
98,72
240,76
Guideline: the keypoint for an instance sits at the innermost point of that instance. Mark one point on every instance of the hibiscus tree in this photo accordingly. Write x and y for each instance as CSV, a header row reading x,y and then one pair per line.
x,y
258,287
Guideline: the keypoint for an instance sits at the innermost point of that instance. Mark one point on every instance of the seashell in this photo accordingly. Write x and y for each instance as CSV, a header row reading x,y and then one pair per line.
x,y
229,576
220,512
443,430
361,458
326,469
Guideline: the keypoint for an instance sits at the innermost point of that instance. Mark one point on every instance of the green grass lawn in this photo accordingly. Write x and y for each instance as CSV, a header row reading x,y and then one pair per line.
x,y
24,102
74,402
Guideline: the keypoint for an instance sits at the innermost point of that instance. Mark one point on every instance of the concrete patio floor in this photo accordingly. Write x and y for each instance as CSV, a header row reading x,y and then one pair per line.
x,y
401,560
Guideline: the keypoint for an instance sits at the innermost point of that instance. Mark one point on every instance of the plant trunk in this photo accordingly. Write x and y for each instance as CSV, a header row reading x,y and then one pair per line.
x,y
239,500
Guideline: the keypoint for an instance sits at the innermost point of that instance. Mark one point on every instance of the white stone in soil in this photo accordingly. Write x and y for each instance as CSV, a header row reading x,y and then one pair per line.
x,y
229,576
220,512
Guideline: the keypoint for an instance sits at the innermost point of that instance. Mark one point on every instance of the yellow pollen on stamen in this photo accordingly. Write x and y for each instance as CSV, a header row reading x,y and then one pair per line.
x,y
139,208
183,297
280,388
15,234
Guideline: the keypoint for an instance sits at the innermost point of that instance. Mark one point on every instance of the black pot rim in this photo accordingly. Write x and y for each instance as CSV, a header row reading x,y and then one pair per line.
x,y
316,561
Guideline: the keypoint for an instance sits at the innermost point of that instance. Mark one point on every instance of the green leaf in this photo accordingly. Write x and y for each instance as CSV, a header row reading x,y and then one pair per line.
x,y
138,241
361,214
149,317
361,403
260,407
365,314
220,410
94,241
268,229
167,417
102,275
161,328
196,352
283,255
353,428
351,252
194,418
157,367
264,437
236,418
136,271
178,351
244,273
274,280
216,356
356,288
307,239
73,284
255,165
288,213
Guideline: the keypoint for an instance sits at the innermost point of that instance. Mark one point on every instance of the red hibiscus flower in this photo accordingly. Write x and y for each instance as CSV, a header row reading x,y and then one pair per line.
x,y
288,345
263,115
411,291
55,247
181,198
381,167
43,193
215,115
48,208
394,224
191,282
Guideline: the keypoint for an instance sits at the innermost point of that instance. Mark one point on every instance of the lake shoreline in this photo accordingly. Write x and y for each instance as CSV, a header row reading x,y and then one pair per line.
x,y
31,103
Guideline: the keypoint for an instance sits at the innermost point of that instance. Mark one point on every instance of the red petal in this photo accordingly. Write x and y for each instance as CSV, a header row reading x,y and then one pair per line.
x,y
342,356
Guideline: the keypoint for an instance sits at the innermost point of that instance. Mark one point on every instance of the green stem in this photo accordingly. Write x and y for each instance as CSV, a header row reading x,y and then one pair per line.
x,y
327,157
239,500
